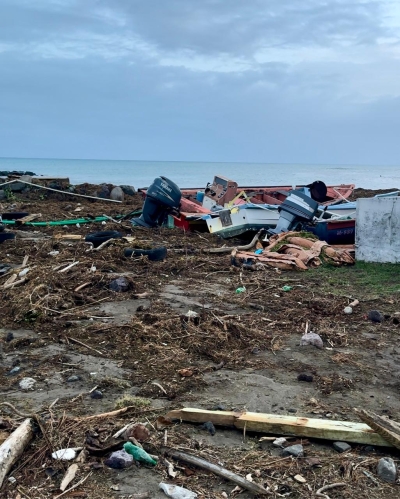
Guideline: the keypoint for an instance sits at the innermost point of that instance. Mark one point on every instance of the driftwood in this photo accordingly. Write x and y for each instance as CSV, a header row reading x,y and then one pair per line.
x,y
14,446
74,486
389,430
285,425
217,470
84,345
69,476
229,249
320,491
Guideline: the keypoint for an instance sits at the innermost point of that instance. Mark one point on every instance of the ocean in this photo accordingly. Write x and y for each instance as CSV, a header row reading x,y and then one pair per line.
x,y
191,174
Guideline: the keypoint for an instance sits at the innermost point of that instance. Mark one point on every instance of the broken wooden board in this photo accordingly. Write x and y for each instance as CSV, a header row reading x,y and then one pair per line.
x,y
389,430
28,218
285,425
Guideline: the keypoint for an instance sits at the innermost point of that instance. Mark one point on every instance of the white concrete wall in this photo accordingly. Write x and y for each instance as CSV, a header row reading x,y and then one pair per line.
x,y
378,230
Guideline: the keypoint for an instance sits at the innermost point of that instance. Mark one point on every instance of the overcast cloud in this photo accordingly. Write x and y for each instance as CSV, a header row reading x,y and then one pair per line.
x,y
204,80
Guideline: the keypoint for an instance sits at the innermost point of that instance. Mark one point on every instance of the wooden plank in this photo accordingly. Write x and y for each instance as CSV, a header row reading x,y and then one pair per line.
x,y
389,430
28,218
286,425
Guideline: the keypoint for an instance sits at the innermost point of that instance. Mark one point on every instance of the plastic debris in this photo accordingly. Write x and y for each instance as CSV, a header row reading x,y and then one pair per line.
x,y
27,383
348,310
177,492
65,454
119,460
242,289
286,288
139,454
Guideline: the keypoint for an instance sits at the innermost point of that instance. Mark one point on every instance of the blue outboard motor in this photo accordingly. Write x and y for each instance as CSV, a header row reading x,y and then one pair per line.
x,y
297,208
162,198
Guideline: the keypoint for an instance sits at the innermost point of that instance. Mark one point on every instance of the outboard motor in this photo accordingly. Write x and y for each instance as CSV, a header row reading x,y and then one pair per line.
x,y
297,207
162,197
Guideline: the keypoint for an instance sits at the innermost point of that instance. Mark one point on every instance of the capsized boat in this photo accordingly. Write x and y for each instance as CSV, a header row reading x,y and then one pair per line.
x,y
226,193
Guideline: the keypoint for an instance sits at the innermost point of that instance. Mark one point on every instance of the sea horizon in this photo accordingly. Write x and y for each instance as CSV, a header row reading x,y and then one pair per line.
x,y
140,173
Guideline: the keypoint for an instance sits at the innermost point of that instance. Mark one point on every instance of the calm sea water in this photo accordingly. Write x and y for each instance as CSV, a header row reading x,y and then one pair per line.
x,y
191,174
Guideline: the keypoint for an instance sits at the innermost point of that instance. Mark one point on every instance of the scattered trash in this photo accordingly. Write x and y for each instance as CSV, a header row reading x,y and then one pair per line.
x,y
27,383
305,377
341,446
300,479
66,454
154,255
119,460
139,454
139,431
176,492
98,238
312,339
73,379
14,370
258,252
242,289
387,470
287,288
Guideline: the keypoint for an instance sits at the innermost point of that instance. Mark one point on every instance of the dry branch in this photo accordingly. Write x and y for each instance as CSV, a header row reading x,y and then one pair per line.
x,y
217,470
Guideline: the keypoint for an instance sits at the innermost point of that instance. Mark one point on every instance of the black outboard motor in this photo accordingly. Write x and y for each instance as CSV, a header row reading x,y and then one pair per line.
x,y
297,207
162,198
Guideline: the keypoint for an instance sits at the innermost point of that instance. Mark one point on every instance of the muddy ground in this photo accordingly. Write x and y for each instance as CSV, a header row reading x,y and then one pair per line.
x,y
242,352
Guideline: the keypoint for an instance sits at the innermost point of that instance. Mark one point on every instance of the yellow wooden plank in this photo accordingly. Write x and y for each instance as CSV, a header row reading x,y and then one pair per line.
x,y
286,425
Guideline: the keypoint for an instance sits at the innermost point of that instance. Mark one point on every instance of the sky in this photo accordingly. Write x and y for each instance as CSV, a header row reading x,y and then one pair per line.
x,y
274,81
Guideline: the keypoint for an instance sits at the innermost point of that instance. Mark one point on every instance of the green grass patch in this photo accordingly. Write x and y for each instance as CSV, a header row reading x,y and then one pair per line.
x,y
362,279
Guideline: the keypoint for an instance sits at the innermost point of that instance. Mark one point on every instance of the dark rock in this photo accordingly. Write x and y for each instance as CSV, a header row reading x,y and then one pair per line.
x,y
119,460
117,194
387,470
209,427
129,190
104,191
120,285
219,407
9,337
96,394
293,450
292,410
375,316
55,185
305,377
341,446
72,379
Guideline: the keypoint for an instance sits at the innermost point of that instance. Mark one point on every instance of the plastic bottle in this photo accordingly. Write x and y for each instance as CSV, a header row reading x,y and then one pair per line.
x,y
139,454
